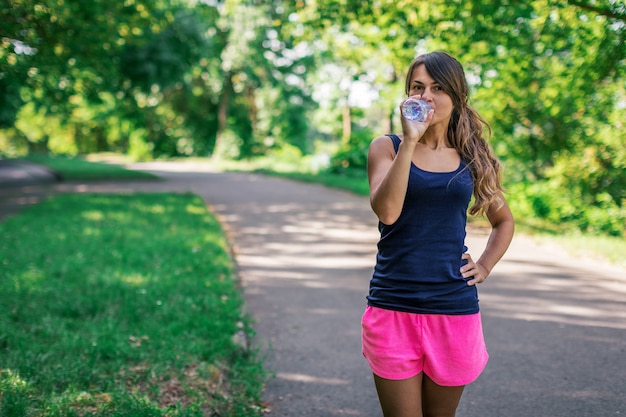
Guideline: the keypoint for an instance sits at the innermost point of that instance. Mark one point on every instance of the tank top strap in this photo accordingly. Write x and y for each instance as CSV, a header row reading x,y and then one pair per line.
x,y
396,141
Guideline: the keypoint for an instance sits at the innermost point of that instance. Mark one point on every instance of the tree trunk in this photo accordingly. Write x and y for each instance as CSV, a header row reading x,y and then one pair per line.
x,y
347,123
222,111
40,146
388,122
252,113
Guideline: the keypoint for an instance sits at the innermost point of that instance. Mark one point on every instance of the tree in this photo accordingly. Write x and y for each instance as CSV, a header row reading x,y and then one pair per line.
x,y
548,74
62,56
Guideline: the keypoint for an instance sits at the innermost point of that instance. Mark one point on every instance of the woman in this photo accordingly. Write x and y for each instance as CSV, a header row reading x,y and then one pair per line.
x,y
422,332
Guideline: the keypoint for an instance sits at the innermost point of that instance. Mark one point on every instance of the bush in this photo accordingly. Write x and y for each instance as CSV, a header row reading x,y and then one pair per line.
x,y
352,155
561,206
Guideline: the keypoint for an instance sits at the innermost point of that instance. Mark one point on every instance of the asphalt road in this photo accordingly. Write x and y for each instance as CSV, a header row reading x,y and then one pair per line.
x,y
555,325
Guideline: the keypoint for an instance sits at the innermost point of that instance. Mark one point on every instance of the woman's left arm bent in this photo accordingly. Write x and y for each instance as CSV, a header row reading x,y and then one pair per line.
x,y
502,228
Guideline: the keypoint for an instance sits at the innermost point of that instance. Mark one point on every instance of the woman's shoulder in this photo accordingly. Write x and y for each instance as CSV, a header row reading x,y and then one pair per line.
x,y
384,145
387,139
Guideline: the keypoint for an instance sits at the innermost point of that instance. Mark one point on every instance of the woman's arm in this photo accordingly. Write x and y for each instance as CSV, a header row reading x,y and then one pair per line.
x,y
388,175
502,228
388,172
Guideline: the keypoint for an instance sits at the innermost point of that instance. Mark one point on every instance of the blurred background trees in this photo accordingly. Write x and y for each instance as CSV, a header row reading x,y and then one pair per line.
x,y
241,78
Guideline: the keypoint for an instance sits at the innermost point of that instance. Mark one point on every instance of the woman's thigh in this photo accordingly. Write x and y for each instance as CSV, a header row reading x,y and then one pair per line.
x,y
439,401
418,396
400,398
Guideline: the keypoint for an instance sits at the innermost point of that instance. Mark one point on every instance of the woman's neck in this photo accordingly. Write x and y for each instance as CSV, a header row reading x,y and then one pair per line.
x,y
436,137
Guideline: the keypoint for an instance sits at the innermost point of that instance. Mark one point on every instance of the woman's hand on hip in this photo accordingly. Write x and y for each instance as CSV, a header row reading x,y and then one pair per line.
x,y
475,271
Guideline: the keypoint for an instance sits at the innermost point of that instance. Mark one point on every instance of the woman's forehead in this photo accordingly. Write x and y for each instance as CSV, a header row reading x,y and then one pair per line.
x,y
420,74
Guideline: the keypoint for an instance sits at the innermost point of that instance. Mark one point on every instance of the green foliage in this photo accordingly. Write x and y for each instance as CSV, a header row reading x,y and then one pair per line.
x,y
15,393
162,69
577,191
158,58
352,156
158,79
229,147
546,74
98,321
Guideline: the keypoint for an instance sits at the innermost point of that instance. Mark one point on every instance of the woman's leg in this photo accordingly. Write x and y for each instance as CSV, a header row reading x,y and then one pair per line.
x,y
419,396
401,398
439,401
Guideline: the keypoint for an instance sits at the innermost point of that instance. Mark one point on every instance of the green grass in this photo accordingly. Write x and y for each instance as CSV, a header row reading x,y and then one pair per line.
x,y
122,305
80,169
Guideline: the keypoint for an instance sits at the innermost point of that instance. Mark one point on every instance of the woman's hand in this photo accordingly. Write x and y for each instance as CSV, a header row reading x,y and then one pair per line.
x,y
473,270
502,227
412,129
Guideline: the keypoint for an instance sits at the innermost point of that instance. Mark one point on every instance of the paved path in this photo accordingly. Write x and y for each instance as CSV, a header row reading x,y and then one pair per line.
x,y
555,326
13,172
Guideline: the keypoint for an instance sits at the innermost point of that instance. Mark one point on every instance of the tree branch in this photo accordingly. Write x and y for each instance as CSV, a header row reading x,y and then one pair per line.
x,y
613,14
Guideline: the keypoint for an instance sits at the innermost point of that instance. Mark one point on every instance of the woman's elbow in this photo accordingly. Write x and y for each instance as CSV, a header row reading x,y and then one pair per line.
x,y
386,215
505,227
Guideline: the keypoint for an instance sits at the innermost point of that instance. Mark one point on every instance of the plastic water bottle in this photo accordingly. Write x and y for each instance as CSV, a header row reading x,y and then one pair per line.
x,y
413,109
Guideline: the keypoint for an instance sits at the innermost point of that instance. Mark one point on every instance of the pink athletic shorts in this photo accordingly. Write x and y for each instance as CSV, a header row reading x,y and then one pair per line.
x,y
449,349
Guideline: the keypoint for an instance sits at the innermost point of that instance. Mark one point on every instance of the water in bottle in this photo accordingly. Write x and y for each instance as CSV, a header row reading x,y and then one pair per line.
x,y
413,109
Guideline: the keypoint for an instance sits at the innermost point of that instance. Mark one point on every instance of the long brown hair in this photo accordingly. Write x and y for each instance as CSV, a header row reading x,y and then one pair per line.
x,y
465,131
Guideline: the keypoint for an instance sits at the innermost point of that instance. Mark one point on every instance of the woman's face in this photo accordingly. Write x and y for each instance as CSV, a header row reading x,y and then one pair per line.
x,y
424,85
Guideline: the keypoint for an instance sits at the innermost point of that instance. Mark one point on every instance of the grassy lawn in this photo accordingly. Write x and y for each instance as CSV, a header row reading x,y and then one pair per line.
x,y
122,305
81,169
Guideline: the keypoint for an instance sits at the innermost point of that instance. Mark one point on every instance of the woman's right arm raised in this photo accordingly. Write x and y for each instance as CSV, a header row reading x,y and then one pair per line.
x,y
388,172
388,175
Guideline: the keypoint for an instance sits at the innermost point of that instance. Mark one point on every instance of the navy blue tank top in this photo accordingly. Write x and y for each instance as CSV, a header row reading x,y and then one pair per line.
x,y
419,256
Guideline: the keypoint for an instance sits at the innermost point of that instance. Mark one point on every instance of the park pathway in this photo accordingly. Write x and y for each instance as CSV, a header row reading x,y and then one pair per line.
x,y
555,325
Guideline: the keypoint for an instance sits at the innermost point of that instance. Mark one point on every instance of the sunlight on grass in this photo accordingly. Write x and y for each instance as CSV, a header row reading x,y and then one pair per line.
x,y
132,312
134,279
194,209
29,278
94,216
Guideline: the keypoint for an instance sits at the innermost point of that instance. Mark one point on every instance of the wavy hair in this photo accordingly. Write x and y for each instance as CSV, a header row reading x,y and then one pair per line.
x,y
465,130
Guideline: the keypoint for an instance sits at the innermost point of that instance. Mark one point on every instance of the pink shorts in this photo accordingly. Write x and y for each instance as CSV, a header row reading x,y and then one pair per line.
x,y
449,349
